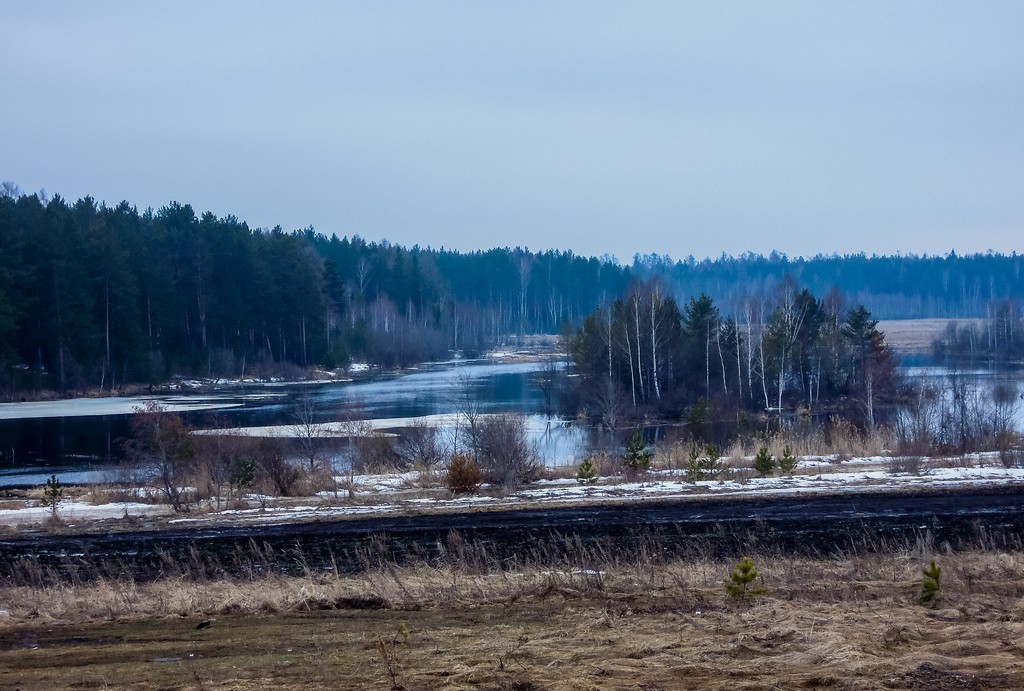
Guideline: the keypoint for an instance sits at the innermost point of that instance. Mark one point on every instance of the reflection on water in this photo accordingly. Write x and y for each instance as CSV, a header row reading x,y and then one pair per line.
x,y
31,448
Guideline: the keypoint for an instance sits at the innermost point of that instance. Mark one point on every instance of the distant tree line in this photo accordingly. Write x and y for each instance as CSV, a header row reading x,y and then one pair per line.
x,y
892,287
996,340
642,356
97,296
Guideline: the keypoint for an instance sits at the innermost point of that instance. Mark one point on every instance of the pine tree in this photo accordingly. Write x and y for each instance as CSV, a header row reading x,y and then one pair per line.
x,y
53,494
706,464
637,458
931,588
764,462
587,472
743,576
788,460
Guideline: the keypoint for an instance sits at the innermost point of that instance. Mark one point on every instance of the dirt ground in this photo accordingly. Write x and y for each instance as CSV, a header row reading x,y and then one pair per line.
x,y
644,631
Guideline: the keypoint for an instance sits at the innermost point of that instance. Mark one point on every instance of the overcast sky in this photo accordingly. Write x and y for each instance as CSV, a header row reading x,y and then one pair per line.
x,y
676,128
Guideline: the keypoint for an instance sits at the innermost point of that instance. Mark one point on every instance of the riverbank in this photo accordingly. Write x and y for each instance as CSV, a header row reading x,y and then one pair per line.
x,y
109,507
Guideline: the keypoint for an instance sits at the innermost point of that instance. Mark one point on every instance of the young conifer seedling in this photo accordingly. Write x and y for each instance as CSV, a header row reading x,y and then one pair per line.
x,y
53,494
788,460
764,462
586,474
931,588
637,458
743,577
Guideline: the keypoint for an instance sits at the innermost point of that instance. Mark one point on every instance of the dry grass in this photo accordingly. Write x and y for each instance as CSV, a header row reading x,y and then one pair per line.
x,y
917,335
851,623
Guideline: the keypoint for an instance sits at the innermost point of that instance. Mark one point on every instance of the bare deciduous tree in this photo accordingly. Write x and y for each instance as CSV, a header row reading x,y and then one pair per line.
x,y
163,443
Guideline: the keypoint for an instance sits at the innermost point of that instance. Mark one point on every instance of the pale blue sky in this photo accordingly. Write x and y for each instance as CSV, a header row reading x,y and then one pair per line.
x,y
676,128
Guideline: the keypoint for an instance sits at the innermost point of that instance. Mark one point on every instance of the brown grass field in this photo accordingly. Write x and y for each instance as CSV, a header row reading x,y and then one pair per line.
x,y
916,335
853,622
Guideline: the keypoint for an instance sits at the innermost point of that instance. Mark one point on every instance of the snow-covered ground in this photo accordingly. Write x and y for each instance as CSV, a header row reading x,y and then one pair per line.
x,y
31,513
333,429
114,405
403,493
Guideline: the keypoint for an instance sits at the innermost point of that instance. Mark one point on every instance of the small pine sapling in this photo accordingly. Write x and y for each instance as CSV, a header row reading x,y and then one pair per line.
x,y
788,460
717,468
743,577
243,474
931,588
587,472
694,471
637,458
764,462
706,464
53,495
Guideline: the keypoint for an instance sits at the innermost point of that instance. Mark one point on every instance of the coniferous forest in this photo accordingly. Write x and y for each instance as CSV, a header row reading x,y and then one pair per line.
x,y
98,296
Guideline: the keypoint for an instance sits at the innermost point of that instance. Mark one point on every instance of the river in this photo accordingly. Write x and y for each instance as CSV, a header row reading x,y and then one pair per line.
x,y
82,440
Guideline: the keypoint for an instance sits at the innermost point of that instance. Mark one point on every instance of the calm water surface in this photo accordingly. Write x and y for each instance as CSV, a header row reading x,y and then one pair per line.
x,y
83,447
86,447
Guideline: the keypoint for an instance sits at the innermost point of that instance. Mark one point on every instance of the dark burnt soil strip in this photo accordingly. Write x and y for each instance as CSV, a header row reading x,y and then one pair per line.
x,y
804,525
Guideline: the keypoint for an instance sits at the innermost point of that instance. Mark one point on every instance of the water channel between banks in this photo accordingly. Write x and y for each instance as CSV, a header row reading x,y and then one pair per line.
x,y
69,437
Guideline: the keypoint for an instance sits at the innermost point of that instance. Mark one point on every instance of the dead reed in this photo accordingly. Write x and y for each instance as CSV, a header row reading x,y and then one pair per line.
x,y
463,572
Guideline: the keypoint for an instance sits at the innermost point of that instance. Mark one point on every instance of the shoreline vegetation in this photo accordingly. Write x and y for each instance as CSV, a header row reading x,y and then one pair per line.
x,y
858,465
907,337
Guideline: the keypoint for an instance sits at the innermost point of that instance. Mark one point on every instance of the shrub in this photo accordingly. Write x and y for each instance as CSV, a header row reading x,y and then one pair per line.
x,y
587,472
375,453
162,441
764,462
464,475
743,577
911,465
274,473
507,455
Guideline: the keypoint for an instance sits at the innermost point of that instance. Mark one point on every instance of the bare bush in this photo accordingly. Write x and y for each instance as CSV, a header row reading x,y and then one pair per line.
x,y
216,459
506,455
419,445
907,464
274,473
375,453
916,424
164,444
